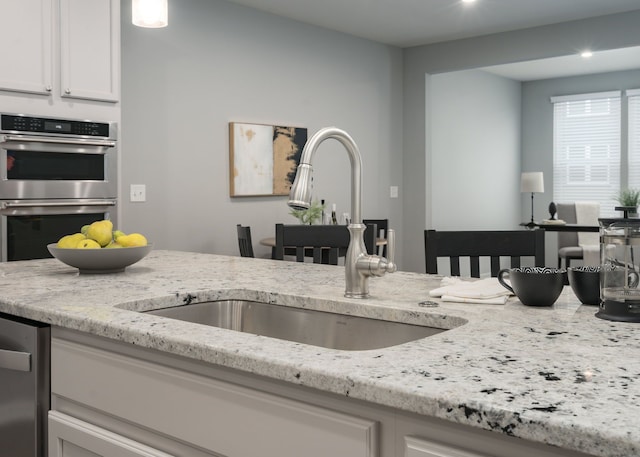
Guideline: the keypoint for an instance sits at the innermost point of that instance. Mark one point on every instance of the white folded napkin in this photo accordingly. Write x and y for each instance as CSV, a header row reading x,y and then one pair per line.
x,y
485,291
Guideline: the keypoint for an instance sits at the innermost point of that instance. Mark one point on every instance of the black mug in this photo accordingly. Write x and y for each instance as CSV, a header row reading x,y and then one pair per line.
x,y
534,286
585,283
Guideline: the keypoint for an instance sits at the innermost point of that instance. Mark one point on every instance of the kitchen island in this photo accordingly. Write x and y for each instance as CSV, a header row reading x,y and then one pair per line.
x,y
555,376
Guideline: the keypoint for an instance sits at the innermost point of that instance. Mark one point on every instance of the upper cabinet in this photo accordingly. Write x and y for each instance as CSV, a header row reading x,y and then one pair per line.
x,y
26,37
90,49
61,48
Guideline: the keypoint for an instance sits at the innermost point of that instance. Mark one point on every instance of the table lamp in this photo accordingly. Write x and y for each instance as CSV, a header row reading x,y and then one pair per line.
x,y
532,181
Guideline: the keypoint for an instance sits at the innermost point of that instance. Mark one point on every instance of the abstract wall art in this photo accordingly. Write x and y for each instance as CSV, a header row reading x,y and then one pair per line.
x,y
263,158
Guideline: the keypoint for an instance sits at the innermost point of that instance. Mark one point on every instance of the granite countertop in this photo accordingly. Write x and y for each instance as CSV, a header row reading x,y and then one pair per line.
x,y
555,375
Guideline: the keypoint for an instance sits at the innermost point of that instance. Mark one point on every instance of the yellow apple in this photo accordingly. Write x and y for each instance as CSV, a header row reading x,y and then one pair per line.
x,y
70,241
101,232
132,240
88,244
113,245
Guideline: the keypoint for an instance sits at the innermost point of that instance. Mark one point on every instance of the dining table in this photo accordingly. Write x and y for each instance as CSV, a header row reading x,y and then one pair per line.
x,y
568,227
271,241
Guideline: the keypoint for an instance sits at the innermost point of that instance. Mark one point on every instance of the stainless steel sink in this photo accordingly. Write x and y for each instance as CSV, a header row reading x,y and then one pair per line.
x,y
317,328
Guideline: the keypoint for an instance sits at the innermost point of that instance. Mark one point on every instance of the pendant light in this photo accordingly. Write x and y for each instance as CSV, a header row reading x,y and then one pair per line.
x,y
150,13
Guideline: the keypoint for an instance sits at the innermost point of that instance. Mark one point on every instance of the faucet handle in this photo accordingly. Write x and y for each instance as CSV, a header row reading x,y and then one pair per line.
x,y
374,265
391,251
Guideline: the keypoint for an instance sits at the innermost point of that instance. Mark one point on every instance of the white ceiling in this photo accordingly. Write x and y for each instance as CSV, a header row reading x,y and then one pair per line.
x,y
407,23
558,67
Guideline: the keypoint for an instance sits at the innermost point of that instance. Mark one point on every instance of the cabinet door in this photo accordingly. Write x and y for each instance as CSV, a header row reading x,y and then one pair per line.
x,y
25,34
208,414
418,447
90,49
70,437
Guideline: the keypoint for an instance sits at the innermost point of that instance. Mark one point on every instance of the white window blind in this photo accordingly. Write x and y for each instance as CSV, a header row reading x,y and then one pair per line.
x,y
586,149
634,137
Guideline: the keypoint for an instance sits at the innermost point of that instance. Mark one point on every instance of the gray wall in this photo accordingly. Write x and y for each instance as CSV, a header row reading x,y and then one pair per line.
x,y
217,62
475,147
420,62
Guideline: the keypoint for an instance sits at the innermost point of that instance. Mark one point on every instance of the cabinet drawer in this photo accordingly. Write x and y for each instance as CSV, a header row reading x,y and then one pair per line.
x,y
218,416
70,437
418,447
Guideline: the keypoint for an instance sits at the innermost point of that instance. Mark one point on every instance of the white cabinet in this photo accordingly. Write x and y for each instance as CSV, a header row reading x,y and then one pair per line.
x,y
218,417
71,437
26,51
61,48
89,49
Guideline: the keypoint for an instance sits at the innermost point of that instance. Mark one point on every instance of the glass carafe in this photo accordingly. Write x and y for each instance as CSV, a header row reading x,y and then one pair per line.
x,y
619,269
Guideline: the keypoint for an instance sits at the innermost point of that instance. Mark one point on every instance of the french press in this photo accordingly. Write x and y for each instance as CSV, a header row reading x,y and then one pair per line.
x,y
620,267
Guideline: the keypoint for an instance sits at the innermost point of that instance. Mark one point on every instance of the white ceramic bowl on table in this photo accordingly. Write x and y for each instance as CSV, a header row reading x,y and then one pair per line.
x,y
105,260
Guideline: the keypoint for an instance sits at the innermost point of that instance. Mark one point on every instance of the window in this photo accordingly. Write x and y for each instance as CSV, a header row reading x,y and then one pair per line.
x,y
586,149
634,137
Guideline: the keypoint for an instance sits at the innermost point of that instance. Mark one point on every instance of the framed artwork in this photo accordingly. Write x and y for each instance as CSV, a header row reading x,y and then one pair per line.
x,y
263,158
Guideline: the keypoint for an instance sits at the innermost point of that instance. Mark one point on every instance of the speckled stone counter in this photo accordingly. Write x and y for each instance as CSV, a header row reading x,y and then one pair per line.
x,y
554,375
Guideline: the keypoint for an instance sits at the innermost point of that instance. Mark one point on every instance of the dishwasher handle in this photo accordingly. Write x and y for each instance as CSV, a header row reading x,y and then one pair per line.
x,y
15,360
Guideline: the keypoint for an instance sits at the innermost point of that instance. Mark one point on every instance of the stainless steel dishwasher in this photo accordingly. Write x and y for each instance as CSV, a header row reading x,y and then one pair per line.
x,y
24,386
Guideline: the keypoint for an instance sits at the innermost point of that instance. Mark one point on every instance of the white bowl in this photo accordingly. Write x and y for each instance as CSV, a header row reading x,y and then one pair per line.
x,y
112,260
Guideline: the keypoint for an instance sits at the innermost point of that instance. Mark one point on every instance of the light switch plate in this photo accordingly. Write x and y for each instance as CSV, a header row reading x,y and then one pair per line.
x,y
138,193
393,191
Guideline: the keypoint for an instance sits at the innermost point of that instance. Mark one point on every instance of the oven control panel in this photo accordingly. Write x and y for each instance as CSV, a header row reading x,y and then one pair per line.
x,y
16,123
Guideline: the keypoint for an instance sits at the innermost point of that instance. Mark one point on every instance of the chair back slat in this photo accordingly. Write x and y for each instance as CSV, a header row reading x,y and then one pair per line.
x,y
474,262
245,244
455,265
495,265
514,244
317,256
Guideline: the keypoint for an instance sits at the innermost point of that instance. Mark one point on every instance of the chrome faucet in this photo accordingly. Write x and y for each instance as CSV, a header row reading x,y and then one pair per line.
x,y
359,265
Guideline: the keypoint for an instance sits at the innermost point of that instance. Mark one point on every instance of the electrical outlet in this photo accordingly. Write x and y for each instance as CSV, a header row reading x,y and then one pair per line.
x,y
138,193
393,191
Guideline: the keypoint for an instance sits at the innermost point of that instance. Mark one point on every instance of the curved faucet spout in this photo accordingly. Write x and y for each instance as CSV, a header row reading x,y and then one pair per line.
x,y
300,196
359,266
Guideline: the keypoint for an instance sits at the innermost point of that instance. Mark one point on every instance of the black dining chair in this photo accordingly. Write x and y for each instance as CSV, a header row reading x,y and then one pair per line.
x,y
382,227
324,243
244,241
514,244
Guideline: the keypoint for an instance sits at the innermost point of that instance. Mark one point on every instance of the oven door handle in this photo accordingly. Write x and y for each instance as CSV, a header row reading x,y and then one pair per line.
x,y
51,140
15,360
7,205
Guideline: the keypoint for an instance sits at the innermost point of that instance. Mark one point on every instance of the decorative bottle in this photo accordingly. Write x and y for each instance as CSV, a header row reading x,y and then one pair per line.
x,y
334,218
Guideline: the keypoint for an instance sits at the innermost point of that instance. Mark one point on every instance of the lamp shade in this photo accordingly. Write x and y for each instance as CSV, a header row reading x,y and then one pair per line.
x,y
532,181
150,13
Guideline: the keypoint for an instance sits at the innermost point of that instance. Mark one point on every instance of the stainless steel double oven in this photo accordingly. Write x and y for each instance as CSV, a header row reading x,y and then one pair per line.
x,y
56,175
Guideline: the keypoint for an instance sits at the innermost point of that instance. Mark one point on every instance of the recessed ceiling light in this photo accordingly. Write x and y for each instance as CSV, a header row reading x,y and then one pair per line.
x,y
468,1
586,54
